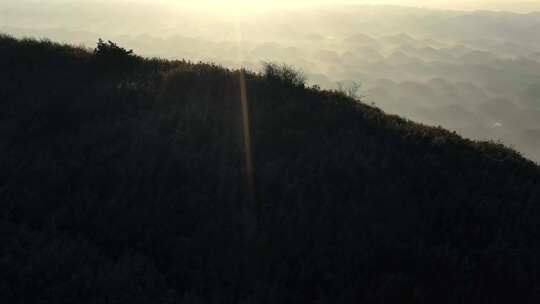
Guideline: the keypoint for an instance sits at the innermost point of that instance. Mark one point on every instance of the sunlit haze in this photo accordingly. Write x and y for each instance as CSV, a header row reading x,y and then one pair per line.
x,y
516,6
243,6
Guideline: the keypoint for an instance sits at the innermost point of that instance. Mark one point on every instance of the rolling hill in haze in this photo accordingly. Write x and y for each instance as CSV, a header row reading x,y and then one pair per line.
x,y
125,179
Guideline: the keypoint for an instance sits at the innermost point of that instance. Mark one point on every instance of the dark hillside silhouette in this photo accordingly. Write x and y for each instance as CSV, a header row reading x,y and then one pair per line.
x,y
122,180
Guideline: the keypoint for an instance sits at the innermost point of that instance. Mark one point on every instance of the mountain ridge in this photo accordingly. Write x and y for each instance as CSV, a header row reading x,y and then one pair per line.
x,y
123,179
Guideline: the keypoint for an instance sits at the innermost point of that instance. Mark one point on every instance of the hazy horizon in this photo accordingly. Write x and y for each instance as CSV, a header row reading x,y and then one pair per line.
x,y
244,6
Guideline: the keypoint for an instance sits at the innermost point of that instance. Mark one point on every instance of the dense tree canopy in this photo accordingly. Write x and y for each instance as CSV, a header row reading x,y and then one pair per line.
x,y
125,183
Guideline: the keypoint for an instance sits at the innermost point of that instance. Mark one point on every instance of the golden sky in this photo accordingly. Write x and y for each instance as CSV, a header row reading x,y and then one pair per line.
x,y
512,5
508,5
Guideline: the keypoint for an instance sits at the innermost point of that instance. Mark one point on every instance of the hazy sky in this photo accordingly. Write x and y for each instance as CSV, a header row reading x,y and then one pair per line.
x,y
513,5
239,5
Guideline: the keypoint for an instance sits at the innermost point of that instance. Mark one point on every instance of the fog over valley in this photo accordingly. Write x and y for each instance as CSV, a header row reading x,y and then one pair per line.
x,y
474,72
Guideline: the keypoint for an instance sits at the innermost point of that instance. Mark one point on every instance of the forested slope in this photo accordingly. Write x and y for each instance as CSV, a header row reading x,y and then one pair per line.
x,y
122,180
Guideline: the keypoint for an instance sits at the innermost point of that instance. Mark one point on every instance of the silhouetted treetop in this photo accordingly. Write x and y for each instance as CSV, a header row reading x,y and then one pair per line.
x,y
284,74
111,49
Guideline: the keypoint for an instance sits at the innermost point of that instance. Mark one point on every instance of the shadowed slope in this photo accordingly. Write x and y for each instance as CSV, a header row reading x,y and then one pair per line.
x,y
122,180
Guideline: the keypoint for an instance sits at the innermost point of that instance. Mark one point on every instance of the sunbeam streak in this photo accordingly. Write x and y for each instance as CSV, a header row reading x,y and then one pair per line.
x,y
246,125
251,209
